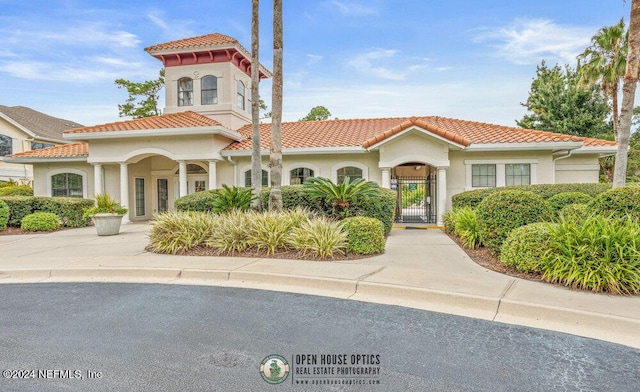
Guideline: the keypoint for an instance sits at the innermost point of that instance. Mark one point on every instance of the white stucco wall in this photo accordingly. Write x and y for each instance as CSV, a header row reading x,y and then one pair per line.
x,y
577,168
414,146
43,172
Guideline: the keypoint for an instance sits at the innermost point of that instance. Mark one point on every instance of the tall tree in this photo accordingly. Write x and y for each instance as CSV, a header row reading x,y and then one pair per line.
x,y
318,113
604,63
143,97
558,103
275,153
628,95
256,156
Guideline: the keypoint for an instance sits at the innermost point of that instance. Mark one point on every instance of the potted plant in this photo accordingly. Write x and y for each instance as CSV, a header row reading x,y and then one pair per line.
x,y
106,215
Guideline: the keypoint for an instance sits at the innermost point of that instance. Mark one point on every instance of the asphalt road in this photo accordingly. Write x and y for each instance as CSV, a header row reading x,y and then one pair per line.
x,y
134,337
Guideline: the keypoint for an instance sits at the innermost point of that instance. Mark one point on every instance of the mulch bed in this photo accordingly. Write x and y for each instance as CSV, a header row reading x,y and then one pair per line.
x,y
280,254
483,257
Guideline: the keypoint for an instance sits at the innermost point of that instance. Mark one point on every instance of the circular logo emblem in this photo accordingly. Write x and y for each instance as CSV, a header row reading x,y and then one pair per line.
x,y
274,369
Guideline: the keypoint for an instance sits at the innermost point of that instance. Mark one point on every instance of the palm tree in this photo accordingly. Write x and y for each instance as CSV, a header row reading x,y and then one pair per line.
x,y
256,159
628,94
341,195
604,62
275,152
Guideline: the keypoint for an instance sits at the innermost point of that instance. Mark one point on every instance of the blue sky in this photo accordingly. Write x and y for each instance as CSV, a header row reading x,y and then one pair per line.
x,y
466,59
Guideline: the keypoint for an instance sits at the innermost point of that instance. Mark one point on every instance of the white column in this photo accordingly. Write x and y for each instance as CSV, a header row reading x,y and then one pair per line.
x,y
182,178
124,189
97,179
386,177
442,193
212,175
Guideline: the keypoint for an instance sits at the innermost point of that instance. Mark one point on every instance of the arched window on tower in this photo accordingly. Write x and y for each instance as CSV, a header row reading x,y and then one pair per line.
x,y
209,89
240,95
185,92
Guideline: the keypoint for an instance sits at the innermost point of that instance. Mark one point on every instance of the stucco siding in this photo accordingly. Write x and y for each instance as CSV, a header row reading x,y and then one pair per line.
x,y
577,169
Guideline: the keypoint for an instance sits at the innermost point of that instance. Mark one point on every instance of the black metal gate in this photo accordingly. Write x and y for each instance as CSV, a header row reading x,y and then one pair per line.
x,y
416,202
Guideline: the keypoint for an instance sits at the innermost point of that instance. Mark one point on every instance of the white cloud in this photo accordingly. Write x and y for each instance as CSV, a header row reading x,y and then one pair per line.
x,y
90,34
528,41
353,8
371,63
175,30
314,58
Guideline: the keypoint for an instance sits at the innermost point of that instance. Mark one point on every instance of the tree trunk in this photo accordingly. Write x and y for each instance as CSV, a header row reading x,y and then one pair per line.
x,y
256,159
275,156
628,95
614,109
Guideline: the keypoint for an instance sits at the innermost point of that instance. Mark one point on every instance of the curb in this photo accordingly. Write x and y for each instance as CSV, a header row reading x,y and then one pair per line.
x,y
576,322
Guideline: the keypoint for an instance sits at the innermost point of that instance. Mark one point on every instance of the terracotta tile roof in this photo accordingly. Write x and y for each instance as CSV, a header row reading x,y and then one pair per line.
x,y
368,132
201,41
173,120
40,124
72,150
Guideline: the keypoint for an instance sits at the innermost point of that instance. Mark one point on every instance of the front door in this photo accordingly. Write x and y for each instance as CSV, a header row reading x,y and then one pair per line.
x,y
415,199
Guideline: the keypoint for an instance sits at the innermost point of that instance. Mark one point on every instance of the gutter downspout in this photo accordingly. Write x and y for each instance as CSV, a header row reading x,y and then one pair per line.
x,y
569,152
235,170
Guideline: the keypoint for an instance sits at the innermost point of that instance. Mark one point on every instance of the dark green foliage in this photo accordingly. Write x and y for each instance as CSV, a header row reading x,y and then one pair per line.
x,y
4,215
19,207
381,207
526,246
70,210
292,196
364,235
618,202
503,211
16,190
473,198
40,221
143,97
598,254
340,196
576,213
558,201
231,198
198,201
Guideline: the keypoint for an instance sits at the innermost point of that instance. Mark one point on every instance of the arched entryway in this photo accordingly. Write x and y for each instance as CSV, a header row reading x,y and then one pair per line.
x,y
416,188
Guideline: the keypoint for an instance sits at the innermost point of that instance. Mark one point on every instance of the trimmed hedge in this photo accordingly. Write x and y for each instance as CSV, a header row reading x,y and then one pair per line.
x,y
16,190
292,196
40,221
503,211
198,201
4,215
526,246
575,213
364,235
473,198
68,209
618,202
560,200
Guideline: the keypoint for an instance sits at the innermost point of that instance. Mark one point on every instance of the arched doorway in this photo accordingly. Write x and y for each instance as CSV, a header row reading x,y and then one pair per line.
x,y
416,187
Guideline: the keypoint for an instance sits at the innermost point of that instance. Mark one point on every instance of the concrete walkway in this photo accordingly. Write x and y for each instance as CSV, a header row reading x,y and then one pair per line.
x,y
421,269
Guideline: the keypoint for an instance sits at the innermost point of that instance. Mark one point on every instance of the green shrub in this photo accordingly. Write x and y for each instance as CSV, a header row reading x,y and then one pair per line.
x,y
231,198
4,215
40,221
198,201
599,254
16,190
339,196
466,227
105,204
292,196
11,182
70,210
560,200
321,237
503,211
364,235
177,232
618,202
526,246
19,207
230,234
474,197
575,213
448,219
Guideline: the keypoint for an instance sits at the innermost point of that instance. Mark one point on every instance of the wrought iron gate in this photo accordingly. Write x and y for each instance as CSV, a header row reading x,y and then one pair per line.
x,y
416,200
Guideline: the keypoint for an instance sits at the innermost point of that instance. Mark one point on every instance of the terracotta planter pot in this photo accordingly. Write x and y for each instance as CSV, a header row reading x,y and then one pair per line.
x,y
107,224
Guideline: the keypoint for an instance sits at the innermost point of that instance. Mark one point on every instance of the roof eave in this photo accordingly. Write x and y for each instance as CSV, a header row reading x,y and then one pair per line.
x,y
535,146
98,135
601,150
32,160
419,129
300,151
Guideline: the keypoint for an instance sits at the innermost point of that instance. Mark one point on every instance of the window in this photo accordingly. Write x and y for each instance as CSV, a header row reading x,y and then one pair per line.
x,y
140,199
66,184
483,176
209,95
185,92
38,145
247,178
349,171
192,168
517,174
299,175
5,145
240,95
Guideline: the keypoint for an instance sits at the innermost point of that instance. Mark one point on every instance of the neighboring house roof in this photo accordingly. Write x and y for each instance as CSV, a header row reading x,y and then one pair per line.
x,y
367,133
65,151
186,119
202,41
37,124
